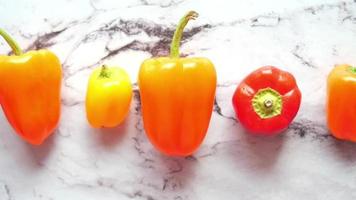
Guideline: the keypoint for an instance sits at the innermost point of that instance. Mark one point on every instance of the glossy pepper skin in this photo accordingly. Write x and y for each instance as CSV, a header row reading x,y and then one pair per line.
x,y
177,96
30,91
267,100
108,97
341,102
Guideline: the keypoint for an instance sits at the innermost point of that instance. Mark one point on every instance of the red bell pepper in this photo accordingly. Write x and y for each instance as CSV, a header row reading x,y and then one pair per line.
x,y
267,100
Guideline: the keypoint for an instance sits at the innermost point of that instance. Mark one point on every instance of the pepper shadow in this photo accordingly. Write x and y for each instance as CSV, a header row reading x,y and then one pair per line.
x,y
41,153
345,151
110,137
258,153
178,171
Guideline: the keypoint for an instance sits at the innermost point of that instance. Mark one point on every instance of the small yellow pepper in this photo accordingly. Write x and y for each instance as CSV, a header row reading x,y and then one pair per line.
x,y
108,97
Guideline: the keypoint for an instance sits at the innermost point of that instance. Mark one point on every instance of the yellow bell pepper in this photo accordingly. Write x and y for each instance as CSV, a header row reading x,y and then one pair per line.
x,y
108,96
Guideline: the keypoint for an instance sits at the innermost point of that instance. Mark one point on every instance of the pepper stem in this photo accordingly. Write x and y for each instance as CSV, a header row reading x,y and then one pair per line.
x,y
267,103
353,69
191,15
104,72
11,42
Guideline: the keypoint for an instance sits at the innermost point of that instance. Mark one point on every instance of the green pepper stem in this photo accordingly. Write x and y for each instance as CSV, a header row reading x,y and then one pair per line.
x,y
353,69
12,43
104,73
191,15
267,103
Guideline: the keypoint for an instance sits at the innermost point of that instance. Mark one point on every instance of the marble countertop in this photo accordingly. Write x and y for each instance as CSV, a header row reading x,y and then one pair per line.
x,y
305,37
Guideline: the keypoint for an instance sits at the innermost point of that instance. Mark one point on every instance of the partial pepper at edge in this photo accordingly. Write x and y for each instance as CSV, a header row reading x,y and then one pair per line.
x,y
30,91
267,100
341,102
177,96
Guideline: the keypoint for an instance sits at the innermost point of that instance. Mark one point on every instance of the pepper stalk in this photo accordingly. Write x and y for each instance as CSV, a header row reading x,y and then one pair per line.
x,y
11,42
353,69
267,103
104,72
174,51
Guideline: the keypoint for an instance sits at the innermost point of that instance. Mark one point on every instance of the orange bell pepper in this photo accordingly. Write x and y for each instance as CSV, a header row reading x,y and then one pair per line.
x,y
341,102
177,96
30,91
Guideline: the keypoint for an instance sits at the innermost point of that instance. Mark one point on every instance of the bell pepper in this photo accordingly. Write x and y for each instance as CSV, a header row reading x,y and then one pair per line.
x,y
108,96
341,102
30,91
267,100
177,96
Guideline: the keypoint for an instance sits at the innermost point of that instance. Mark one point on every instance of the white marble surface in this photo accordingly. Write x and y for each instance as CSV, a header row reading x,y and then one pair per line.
x,y
305,37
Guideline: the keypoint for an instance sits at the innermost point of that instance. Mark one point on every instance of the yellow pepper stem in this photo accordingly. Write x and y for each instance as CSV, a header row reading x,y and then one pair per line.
x,y
104,73
353,69
13,44
191,15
